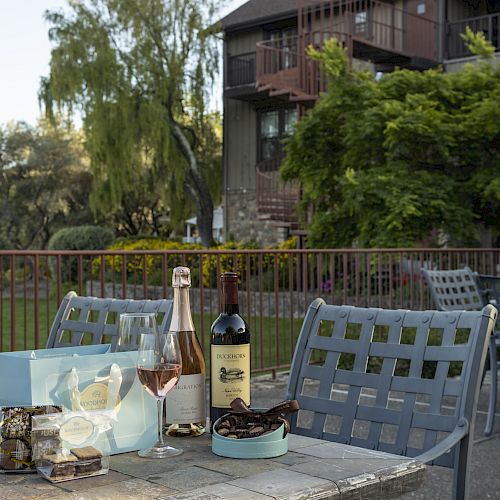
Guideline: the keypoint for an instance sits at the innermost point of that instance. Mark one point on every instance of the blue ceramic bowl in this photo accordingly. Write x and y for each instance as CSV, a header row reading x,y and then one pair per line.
x,y
265,446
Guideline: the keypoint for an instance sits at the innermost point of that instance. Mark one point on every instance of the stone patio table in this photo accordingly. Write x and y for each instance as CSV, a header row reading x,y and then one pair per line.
x,y
311,469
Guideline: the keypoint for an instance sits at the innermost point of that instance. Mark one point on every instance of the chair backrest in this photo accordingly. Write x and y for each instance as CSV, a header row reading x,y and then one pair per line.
x,y
489,287
91,320
391,380
454,290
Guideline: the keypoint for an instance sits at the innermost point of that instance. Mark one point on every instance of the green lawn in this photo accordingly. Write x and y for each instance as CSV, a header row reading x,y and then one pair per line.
x,y
268,335
25,323
264,334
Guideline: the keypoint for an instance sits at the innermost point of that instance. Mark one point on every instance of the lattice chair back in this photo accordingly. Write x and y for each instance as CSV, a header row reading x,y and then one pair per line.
x,y
91,320
489,286
391,380
454,290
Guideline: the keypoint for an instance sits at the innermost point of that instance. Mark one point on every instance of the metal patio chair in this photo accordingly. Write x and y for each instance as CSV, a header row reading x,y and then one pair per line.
x,y
350,399
489,287
92,320
459,290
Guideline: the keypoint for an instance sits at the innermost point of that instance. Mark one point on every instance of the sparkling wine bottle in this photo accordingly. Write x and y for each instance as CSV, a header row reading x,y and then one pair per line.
x,y
229,352
185,404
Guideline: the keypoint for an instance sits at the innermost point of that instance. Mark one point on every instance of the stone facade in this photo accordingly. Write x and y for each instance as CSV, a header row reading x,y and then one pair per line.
x,y
242,221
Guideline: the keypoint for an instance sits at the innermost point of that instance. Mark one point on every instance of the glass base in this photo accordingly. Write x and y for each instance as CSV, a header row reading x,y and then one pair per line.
x,y
160,452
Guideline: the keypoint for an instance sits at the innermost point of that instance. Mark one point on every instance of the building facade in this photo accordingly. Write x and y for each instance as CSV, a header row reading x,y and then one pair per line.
x,y
269,82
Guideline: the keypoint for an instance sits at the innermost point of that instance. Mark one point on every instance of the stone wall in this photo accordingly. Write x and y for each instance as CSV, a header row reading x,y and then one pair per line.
x,y
242,221
282,304
453,65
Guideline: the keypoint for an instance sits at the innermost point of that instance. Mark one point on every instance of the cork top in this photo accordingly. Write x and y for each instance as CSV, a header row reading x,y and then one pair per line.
x,y
181,277
229,277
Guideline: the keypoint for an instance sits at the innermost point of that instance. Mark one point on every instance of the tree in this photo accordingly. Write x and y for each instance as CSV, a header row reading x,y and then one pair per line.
x,y
45,184
138,72
411,159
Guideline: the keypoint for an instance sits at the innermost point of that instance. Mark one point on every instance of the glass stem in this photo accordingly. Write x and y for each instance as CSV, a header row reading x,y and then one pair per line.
x,y
160,443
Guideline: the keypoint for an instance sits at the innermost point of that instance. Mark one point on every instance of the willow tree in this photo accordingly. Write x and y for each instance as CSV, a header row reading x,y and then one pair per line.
x,y
137,72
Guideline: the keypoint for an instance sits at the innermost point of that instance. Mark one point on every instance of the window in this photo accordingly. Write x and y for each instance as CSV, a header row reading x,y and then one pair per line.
x,y
421,8
290,121
269,135
361,22
286,41
275,125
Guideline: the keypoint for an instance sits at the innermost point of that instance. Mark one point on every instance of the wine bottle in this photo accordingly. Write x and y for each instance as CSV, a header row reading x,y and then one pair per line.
x,y
185,404
229,352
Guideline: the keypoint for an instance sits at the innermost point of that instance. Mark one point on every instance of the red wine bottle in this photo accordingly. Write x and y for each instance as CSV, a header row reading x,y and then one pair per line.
x,y
229,352
185,406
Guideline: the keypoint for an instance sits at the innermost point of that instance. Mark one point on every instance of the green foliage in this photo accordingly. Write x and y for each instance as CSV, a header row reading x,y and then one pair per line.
x,y
477,43
139,72
333,56
210,265
408,160
45,184
81,238
77,238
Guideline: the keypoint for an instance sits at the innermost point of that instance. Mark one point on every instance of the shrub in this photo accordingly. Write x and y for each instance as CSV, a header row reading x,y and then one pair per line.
x,y
134,266
77,238
81,238
211,263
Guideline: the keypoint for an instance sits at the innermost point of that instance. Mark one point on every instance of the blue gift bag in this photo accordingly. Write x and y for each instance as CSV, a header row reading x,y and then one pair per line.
x,y
83,378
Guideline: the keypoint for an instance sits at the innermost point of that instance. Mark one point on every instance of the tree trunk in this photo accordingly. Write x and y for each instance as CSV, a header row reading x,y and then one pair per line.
x,y
197,188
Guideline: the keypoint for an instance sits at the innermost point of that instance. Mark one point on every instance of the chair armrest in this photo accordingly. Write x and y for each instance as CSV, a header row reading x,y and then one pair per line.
x,y
446,444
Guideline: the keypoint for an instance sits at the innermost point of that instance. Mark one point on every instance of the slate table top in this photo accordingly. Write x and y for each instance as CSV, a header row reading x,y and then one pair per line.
x,y
312,468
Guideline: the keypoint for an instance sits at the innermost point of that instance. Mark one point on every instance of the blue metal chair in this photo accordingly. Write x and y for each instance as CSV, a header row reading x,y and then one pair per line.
x,y
489,287
94,320
338,347
460,290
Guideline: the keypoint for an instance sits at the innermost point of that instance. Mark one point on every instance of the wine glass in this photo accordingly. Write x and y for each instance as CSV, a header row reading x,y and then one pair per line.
x,y
159,366
131,326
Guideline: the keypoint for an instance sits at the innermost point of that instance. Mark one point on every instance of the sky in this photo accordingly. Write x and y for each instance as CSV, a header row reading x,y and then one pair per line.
x,y
25,54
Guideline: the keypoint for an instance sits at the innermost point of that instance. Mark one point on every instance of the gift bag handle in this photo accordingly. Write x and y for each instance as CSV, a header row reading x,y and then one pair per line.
x,y
114,379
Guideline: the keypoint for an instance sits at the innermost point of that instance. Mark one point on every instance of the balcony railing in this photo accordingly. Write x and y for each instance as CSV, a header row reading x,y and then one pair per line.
x,y
275,286
369,29
277,62
241,70
276,199
489,25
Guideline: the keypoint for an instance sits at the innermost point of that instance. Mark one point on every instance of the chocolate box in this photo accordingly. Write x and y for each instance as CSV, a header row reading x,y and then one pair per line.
x,y
269,445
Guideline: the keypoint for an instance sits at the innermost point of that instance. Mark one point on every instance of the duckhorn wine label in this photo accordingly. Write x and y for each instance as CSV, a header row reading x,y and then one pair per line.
x,y
229,352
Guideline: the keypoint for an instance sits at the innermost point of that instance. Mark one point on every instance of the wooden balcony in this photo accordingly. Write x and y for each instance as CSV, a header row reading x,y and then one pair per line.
x,y
241,70
370,30
240,76
489,25
276,200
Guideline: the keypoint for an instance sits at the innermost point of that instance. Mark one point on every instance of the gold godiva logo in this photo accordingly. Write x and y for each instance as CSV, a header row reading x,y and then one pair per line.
x,y
76,431
95,397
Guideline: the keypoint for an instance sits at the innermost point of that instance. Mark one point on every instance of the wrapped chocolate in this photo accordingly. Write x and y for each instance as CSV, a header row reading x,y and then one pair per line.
x,y
249,433
243,422
16,434
72,445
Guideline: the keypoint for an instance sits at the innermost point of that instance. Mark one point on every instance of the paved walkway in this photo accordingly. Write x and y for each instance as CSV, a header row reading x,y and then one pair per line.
x,y
485,472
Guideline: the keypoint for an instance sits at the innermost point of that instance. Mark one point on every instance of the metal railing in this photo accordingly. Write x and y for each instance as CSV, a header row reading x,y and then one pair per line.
x,y
240,70
369,29
276,286
489,25
276,64
276,198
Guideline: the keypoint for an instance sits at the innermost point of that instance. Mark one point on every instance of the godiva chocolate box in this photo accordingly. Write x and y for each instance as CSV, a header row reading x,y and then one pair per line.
x,y
16,454
83,378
